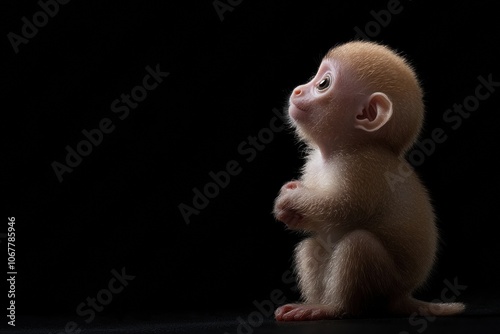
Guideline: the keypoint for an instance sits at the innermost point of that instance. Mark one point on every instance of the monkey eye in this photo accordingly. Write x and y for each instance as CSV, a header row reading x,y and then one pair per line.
x,y
324,83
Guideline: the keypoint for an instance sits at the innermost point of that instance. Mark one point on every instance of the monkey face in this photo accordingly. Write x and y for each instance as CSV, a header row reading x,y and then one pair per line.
x,y
308,100
335,110
324,108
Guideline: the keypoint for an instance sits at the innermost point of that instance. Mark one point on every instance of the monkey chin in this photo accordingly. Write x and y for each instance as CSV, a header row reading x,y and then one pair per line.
x,y
291,219
296,113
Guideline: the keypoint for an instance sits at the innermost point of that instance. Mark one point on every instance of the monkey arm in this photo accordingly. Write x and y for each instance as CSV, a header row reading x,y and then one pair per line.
x,y
299,206
352,197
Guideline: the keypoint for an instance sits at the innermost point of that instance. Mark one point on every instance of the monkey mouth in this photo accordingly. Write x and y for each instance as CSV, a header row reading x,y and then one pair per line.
x,y
294,106
295,112
292,221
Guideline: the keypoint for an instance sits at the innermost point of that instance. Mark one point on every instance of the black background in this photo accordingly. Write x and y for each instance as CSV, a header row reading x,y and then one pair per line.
x,y
119,207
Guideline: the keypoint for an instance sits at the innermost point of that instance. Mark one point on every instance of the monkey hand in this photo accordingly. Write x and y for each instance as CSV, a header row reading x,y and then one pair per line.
x,y
285,208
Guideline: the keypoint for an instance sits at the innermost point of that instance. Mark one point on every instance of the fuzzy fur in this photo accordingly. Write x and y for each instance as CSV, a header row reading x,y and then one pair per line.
x,y
370,244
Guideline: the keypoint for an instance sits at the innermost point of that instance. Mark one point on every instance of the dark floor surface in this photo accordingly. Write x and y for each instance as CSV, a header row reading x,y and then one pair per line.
x,y
478,319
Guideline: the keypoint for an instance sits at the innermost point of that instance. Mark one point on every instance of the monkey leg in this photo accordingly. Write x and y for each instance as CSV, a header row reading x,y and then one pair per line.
x,y
365,280
360,278
363,276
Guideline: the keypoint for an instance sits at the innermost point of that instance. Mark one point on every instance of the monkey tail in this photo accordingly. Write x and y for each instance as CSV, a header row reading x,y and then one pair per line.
x,y
419,307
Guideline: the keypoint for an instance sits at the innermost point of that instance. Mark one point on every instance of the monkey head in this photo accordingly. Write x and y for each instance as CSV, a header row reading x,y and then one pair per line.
x,y
363,94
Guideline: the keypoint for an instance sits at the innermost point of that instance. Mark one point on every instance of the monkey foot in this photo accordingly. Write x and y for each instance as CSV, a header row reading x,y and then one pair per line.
x,y
302,312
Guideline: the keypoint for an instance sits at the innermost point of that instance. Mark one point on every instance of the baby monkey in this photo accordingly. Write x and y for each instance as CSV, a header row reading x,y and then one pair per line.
x,y
370,243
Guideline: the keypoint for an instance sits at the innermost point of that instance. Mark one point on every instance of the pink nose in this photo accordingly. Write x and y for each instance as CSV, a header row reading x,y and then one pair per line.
x,y
297,91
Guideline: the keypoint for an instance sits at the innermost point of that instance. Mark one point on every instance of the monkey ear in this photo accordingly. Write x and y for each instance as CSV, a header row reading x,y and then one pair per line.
x,y
376,112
